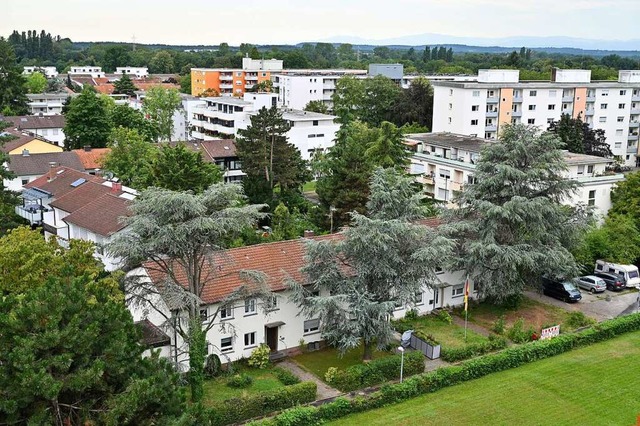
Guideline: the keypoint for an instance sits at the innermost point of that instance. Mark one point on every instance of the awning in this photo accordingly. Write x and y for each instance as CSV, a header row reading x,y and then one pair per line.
x,y
33,194
274,324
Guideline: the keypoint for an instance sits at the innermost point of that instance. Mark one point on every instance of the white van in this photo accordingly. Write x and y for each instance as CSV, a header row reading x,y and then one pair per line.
x,y
628,272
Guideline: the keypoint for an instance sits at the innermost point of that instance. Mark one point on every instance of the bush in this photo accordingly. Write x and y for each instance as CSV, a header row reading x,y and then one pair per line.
x,y
411,315
444,316
240,409
377,371
260,357
240,381
577,319
470,351
212,366
285,377
518,334
499,325
330,375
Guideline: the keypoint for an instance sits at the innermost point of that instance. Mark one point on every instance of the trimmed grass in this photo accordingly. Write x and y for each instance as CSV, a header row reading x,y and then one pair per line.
x,y
216,390
309,186
448,335
590,386
318,362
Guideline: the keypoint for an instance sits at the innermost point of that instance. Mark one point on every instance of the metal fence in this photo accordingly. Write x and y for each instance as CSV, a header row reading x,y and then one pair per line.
x,y
428,350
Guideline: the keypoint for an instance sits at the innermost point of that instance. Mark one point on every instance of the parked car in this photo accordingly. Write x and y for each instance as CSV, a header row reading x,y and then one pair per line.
x,y
613,281
563,290
591,283
629,273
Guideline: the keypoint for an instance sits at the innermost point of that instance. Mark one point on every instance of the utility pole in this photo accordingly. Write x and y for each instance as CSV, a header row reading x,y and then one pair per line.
x,y
133,41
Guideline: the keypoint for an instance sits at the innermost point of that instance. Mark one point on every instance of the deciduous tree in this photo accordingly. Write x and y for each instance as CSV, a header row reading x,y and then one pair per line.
x,y
317,106
179,169
13,100
131,158
36,83
129,118
579,137
87,121
124,86
625,198
159,105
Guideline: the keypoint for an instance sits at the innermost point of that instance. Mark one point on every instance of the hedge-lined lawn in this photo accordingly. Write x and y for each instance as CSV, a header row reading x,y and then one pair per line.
x,y
309,186
448,335
318,362
595,385
216,390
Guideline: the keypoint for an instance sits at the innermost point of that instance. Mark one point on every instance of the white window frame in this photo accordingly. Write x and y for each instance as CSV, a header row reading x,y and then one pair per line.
x,y
250,339
224,347
250,307
311,326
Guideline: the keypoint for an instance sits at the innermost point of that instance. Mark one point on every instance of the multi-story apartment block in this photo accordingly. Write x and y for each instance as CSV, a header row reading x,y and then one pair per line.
x,y
95,72
138,72
49,72
445,162
233,82
498,97
225,116
296,88
47,103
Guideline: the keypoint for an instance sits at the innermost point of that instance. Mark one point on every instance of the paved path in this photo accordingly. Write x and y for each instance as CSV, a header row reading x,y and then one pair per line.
x,y
601,306
324,391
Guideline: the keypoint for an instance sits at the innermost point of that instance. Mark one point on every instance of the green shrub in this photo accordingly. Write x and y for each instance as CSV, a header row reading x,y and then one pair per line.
x,y
411,315
240,409
212,367
577,319
470,351
518,334
429,338
285,377
499,325
299,416
260,357
444,316
330,375
240,381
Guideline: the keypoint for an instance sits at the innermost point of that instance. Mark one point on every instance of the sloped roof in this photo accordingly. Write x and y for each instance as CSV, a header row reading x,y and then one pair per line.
x,y
220,148
63,177
37,122
152,336
82,195
20,140
39,164
102,215
91,159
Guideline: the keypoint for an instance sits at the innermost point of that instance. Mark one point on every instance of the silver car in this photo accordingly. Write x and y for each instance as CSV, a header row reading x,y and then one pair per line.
x,y
591,283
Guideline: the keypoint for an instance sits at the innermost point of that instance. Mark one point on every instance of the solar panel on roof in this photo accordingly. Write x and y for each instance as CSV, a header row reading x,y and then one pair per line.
x,y
78,182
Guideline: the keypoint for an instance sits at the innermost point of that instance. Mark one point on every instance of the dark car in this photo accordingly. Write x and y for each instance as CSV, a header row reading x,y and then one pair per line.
x,y
562,290
614,281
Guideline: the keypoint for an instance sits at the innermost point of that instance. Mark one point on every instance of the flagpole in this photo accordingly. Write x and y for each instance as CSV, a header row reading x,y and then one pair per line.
x,y
466,306
466,316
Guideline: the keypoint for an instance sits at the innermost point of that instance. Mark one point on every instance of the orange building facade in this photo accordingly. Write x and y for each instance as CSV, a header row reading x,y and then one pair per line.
x,y
233,82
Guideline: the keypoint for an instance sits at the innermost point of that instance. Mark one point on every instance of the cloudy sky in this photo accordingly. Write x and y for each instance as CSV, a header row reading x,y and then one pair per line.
x,y
292,21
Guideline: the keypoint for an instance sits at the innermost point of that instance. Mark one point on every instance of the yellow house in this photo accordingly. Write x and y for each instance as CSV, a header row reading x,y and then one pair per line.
x,y
30,143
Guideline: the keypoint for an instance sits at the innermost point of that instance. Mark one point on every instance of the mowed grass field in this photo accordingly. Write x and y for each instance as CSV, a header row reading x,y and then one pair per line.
x,y
597,385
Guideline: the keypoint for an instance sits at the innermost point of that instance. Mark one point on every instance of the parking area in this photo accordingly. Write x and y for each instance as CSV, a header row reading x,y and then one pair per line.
x,y
600,306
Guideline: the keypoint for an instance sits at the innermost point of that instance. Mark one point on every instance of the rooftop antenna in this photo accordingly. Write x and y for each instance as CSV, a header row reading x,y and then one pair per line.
x,y
133,40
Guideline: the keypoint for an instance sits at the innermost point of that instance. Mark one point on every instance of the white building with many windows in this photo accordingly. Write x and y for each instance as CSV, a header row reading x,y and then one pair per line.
x,y
444,162
93,71
137,72
498,97
49,72
47,103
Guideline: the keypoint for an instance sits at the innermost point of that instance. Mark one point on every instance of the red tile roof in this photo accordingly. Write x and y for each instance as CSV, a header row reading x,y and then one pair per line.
x,y
61,182
102,215
81,196
92,159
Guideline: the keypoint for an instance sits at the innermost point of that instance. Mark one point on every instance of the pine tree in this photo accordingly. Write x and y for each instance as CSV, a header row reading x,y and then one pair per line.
x,y
124,86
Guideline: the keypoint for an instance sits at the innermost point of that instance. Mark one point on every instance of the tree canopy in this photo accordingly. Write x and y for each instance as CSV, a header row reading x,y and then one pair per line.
x,y
36,82
13,100
625,198
87,121
578,137
179,169
124,86
159,105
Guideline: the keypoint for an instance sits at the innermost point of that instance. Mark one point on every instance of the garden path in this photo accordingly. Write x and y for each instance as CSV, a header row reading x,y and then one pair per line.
x,y
324,391
470,326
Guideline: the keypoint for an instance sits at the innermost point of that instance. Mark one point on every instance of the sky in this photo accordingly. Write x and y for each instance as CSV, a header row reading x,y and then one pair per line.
x,y
210,22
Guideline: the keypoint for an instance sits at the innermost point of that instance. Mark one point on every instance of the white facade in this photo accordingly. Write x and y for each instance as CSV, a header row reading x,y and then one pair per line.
x,y
138,72
497,97
249,64
95,72
444,168
49,72
47,103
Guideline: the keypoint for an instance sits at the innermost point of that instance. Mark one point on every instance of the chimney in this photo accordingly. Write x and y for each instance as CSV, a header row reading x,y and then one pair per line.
x,y
87,148
309,233
116,187
25,152
52,175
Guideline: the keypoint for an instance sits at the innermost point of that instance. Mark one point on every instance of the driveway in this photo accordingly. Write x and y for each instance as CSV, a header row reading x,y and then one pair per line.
x,y
601,306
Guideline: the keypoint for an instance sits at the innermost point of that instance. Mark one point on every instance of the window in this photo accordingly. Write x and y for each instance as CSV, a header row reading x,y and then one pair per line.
x,y
250,306
272,303
443,194
450,106
312,135
620,119
621,106
592,198
590,168
553,93
618,132
550,120
533,93
605,93
551,107
491,93
203,314
603,119
25,181
475,93
250,339
44,132
618,145
581,170
457,291
438,270
239,74
531,121
474,122
445,174
238,83
311,326
475,107
226,344
449,120
623,92
320,135
603,106
450,92
418,298
532,107
315,122
226,312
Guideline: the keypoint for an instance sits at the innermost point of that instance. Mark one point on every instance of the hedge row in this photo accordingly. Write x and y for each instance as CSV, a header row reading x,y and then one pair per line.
x,y
285,377
473,350
448,376
236,410
377,371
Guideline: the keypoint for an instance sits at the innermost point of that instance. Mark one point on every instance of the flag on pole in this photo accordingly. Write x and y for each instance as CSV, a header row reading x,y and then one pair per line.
x,y
466,294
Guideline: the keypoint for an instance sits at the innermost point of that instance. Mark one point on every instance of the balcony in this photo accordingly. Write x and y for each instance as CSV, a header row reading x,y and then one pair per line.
x,y
632,149
516,113
633,124
635,110
492,114
226,86
226,77
633,137
491,128
589,112
517,99
591,98
251,77
567,98
493,100
635,98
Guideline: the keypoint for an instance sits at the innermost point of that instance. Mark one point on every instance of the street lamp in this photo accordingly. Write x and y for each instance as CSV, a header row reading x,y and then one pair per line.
x,y
401,349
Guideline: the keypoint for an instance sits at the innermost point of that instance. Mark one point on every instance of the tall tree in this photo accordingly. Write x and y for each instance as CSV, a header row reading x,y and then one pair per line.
x,y
625,198
180,234
115,56
370,100
159,105
510,224
13,100
36,83
580,138
387,149
179,169
317,106
87,121
129,118
268,157
357,296
124,86
70,354
131,158
8,199
162,63
415,104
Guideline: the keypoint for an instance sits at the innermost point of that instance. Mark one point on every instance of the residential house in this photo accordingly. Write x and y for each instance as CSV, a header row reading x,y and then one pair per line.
x,y
91,158
49,127
93,71
221,152
47,103
445,162
23,140
28,167
249,323
49,72
137,72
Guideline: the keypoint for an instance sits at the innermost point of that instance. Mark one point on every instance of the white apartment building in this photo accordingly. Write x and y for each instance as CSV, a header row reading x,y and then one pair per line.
x,y
47,103
138,72
497,97
225,116
95,72
49,72
296,88
445,162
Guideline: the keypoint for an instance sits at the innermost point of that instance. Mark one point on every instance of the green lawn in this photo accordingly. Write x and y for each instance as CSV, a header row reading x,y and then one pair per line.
x,y
216,390
309,186
596,385
448,335
318,362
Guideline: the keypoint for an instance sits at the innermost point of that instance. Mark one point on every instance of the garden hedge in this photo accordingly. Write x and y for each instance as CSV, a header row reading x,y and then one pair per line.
x,y
473,350
448,376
